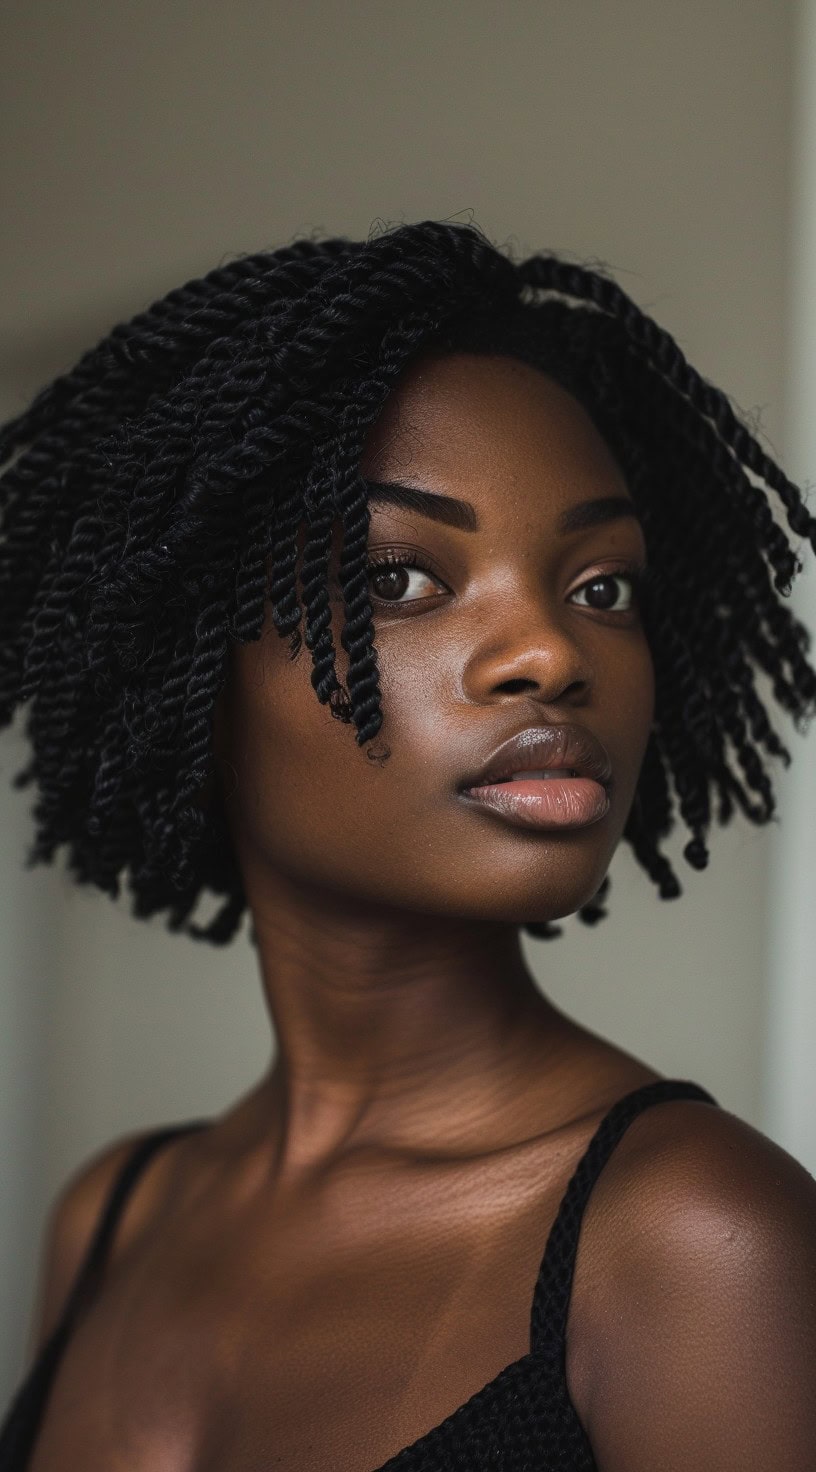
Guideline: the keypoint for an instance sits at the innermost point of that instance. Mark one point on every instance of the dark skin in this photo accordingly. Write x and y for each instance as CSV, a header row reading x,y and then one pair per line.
x,y
345,1256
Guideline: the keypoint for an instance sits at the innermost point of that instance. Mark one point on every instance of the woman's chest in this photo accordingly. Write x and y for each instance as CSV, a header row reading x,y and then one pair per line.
x,y
181,1369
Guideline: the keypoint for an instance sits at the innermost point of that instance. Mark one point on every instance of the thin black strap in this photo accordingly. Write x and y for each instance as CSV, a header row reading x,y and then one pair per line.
x,y
108,1220
22,1420
554,1283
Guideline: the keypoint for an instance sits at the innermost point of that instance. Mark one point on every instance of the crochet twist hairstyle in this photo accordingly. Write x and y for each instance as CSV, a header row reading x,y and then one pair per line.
x,y
152,501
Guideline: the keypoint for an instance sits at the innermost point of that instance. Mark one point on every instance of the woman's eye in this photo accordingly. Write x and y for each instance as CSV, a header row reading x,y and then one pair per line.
x,y
407,579
392,578
602,594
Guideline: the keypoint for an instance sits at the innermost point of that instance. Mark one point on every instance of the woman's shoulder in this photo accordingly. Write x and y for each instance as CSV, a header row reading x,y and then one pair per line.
x,y
685,1166
71,1221
695,1291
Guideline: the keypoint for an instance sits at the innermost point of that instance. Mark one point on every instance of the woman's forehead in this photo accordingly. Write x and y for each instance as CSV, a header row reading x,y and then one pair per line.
x,y
463,420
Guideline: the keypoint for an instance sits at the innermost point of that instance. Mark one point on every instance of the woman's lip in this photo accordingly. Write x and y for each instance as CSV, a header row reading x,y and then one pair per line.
x,y
552,802
565,745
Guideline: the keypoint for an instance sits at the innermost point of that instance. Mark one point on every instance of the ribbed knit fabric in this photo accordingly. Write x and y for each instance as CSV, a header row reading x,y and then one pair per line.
x,y
521,1421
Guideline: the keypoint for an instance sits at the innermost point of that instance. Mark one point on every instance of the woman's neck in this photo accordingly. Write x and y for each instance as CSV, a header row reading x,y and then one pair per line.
x,y
405,1032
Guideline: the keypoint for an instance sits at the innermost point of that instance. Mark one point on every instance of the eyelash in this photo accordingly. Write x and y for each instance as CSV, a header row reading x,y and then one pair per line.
x,y
631,572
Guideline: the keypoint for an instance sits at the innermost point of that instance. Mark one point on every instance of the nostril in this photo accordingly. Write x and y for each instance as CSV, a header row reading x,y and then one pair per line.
x,y
514,687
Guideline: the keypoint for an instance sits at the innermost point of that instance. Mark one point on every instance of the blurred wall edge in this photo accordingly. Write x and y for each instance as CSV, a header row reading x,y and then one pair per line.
x,y
790,1057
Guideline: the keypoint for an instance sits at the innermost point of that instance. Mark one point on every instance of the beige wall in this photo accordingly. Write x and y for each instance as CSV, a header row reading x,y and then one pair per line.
x,y
144,143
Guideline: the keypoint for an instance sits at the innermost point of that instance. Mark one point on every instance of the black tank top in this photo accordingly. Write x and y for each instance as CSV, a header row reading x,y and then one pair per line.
x,y
522,1418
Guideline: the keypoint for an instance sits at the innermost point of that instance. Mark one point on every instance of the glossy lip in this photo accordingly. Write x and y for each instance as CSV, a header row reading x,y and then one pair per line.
x,y
542,747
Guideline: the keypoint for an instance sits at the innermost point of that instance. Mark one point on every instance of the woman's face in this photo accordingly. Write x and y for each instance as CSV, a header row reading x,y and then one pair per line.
x,y
493,632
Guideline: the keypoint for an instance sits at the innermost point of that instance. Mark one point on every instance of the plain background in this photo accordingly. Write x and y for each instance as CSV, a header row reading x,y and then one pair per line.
x,y
144,144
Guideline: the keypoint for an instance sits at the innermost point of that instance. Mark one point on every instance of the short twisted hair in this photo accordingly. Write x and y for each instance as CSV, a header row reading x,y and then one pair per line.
x,y
153,497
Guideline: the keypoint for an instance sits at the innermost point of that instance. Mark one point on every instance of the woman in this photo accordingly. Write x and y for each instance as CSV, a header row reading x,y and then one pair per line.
x,y
517,535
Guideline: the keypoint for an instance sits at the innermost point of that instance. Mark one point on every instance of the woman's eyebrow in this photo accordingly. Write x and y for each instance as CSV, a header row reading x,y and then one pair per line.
x,y
462,515
448,509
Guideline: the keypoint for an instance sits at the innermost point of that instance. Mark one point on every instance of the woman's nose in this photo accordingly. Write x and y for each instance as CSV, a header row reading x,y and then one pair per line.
x,y
526,648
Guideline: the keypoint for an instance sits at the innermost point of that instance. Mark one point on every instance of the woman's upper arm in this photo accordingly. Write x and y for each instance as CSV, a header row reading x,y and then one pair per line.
x,y
705,1339
69,1228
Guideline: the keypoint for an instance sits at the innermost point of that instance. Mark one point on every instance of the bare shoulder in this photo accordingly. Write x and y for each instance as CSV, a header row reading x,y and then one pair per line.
x,y
69,1227
688,1177
695,1292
